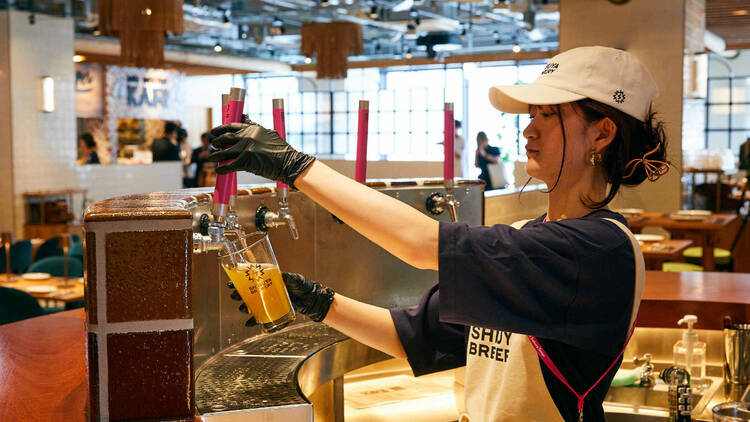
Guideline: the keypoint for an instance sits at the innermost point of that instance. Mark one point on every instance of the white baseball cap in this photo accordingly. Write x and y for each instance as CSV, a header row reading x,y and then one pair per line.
x,y
608,75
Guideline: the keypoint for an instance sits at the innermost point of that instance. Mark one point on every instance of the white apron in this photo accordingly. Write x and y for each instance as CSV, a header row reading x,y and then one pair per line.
x,y
504,379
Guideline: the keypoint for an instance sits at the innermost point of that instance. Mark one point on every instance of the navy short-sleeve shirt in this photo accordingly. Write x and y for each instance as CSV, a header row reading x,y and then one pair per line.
x,y
570,283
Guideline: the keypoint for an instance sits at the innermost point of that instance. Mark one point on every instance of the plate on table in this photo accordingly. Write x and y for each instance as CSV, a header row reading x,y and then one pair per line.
x,y
630,212
36,276
648,237
694,213
41,289
687,217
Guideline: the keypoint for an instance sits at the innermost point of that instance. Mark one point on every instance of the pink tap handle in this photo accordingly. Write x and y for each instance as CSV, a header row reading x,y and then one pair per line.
x,y
360,170
236,106
231,108
279,125
223,187
448,170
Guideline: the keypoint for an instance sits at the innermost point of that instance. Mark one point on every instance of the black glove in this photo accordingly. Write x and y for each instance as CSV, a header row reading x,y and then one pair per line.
x,y
258,150
243,308
309,297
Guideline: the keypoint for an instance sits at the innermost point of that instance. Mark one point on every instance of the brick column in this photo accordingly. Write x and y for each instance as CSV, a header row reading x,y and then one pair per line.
x,y
139,318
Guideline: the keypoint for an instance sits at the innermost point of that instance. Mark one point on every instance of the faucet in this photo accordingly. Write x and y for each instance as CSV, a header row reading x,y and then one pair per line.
x,y
646,378
437,202
678,379
218,232
265,218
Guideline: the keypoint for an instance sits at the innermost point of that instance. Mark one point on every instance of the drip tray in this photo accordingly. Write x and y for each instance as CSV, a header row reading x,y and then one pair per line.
x,y
260,372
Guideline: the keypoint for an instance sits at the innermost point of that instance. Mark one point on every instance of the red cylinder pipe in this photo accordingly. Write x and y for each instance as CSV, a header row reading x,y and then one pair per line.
x,y
449,137
279,125
360,170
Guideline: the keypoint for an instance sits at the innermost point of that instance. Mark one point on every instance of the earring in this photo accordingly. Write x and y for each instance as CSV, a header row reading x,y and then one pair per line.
x,y
594,158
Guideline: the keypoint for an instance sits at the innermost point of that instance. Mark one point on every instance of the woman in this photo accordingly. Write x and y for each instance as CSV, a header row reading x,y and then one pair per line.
x,y
565,286
485,155
87,146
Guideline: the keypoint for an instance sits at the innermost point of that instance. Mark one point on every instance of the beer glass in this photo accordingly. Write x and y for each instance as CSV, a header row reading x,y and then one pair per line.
x,y
251,265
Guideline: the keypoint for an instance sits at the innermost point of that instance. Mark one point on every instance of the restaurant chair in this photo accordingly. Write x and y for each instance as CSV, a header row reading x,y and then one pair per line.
x,y
54,265
17,305
50,247
723,257
76,250
20,256
679,267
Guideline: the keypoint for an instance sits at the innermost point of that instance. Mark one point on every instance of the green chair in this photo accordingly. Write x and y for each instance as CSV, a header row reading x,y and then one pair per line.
x,y
678,267
20,256
76,250
694,255
17,305
50,247
54,265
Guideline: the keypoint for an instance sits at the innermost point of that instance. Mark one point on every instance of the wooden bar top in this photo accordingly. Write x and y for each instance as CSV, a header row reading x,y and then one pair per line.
x,y
667,297
43,369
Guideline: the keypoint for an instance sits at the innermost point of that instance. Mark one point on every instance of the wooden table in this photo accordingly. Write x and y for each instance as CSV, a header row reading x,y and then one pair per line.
x,y
73,292
655,253
704,232
667,297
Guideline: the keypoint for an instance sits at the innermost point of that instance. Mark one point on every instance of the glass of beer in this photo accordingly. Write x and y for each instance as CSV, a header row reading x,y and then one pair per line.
x,y
252,267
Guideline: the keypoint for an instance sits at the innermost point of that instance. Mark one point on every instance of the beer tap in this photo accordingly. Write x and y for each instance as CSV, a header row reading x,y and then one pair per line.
x,y
437,202
264,217
224,225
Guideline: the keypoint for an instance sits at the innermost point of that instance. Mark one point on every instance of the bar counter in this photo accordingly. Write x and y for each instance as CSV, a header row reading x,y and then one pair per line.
x,y
43,362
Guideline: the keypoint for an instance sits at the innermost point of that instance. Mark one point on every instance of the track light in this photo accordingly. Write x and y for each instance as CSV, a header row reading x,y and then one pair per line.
x,y
408,54
374,12
308,60
218,48
516,48
323,3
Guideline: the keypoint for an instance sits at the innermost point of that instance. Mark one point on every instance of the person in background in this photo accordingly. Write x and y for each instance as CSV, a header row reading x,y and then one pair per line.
x,y
745,156
458,146
185,156
87,145
166,148
200,156
485,154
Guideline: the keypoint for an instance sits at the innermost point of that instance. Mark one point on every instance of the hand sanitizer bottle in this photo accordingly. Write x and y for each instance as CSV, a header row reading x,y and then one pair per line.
x,y
690,353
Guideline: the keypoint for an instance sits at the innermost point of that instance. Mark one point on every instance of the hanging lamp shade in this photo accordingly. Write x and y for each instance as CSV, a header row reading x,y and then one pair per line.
x,y
141,27
332,43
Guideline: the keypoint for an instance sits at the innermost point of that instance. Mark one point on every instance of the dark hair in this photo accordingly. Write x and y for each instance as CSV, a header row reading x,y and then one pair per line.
x,y
481,135
181,134
633,140
457,124
88,140
206,135
170,127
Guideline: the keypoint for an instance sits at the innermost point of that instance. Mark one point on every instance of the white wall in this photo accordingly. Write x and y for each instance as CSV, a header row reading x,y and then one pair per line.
x,y
44,144
654,32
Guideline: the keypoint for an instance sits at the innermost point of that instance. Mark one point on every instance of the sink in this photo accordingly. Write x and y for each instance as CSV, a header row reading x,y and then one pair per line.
x,y
654,401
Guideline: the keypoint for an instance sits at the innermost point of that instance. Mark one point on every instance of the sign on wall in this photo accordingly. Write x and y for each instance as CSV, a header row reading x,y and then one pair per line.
x,y
89,90
140,93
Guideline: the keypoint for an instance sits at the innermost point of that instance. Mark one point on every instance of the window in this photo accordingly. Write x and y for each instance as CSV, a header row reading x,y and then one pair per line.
x,y
406,115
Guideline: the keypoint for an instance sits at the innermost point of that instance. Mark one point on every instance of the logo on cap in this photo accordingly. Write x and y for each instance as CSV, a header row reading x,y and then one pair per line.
x,y
619,97
551,67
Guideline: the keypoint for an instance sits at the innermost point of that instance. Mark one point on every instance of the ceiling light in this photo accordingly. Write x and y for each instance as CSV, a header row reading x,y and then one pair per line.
x,y
374,12
97,32
146,12
78,58
308,60
323,3
408,54
740,12
218,48
516,48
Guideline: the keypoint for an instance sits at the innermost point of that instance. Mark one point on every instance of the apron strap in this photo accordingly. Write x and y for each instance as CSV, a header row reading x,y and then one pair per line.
x,y
640,276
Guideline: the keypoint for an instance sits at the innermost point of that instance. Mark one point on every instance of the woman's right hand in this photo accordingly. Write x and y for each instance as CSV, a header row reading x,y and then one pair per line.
x,y
258,150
